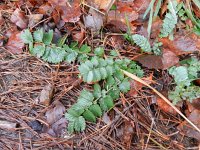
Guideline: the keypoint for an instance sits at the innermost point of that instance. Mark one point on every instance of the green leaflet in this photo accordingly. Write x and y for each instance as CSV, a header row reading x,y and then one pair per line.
x,y
170,20
26,36
99,51
89,116
96,110
125,86
48,37
184,77
142,42
38,50
38,35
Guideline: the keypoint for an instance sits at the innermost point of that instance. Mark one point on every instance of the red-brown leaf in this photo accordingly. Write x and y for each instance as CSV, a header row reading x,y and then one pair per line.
x,y
165,61
18,17
187,129
15,43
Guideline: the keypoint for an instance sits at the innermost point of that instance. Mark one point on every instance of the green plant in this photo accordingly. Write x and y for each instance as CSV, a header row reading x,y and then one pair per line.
x,y
184,76
91,105
170,19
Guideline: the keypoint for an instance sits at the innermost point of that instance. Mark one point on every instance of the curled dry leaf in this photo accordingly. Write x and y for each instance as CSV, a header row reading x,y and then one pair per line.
x,y
15,43
196,103
163,62
71,13
164,106
56,120
7,125
18,17
187,129
118,18
183,43
34,19
101,4
128,134
78,35
93,21
46,95
45,9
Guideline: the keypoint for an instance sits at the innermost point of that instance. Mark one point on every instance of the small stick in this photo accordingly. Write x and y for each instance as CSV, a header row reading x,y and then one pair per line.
x,y
134,77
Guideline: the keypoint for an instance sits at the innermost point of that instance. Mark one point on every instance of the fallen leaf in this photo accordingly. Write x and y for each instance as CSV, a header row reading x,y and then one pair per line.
x,y
34,19
18,17
196,103
71,13
46,95
35,125
56,120
164,106
187,129
78,35
127,134
15,43
183,43
163,62
101,4
118,18
4,124
93,21
141,6
137,86
196,10
45,9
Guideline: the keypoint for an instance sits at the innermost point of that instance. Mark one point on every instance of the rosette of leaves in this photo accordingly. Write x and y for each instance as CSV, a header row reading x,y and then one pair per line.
x,y
41,46
184,76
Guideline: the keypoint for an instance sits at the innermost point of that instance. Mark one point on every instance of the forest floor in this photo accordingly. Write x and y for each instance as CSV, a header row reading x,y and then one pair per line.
x,y
35,94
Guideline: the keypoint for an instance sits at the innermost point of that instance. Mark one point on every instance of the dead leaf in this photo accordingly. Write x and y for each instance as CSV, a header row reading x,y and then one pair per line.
x,y
187,129
183,43
18,17
15,43
101,4
34,19
45,9
141,6
71,13
163,62
196,103
128,134
164,106
118,18
7,125
93,21
56,120
46,95
78,35
137,86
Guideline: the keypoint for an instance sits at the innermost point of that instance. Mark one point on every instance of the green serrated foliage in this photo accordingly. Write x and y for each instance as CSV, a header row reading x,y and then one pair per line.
x,y
62,40
96,110
97,91
38,50
170,20
108,101
85,48
38,35
54,54
125,86
89,116
47,38
99,51
142,42
26,36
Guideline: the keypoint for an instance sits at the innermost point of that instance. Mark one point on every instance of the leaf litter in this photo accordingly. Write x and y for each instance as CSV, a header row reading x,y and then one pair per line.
x,y
139,122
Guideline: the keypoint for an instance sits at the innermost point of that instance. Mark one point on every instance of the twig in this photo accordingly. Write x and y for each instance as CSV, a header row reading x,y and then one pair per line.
x,y
134,77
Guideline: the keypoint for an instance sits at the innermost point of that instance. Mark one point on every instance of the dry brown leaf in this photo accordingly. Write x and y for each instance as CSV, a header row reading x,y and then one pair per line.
x,y
78,35
56,120
101,4
165,61
93,21
46,95
45,9
187,129
34,19
18,17
164,106
15,43
71,13
183,43
128,134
